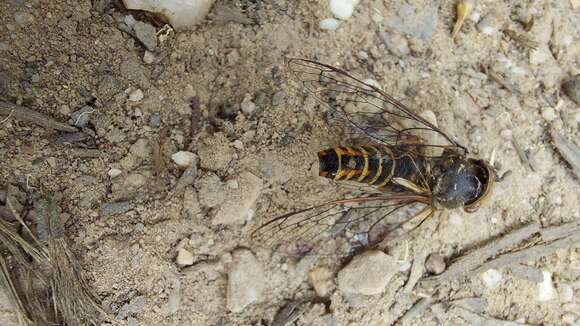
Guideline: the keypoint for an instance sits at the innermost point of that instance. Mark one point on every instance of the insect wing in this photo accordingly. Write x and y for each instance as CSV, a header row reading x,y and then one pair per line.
x,y
369,111
309,230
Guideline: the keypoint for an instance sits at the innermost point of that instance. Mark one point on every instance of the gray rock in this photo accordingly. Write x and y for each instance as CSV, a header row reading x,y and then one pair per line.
x,y
146,34
368,273
245,282
115,208
572,89
134,307
81,118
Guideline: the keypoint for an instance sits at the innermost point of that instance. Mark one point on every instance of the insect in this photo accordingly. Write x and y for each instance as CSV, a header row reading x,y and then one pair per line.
x,y
398,158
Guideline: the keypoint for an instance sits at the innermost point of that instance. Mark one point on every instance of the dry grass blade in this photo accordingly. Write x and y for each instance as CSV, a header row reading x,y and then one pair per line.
x,y
72,299
41,276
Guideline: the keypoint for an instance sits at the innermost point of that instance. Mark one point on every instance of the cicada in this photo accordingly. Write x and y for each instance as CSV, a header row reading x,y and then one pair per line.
x,y
397,158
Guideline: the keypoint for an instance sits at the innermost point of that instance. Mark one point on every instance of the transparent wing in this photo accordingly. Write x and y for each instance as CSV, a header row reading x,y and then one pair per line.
x,y
366,109
314,229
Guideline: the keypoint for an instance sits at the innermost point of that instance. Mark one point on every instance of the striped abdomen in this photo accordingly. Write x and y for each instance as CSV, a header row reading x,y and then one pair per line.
x,y
368,164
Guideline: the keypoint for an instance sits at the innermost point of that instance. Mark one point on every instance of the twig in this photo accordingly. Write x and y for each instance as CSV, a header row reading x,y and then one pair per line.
x,y
531,253
477,319
569,151
522,154
416,272
477,257
27,115
416,310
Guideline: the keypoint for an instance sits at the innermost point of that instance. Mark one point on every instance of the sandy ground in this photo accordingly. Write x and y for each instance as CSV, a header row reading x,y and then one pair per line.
x,y
221,92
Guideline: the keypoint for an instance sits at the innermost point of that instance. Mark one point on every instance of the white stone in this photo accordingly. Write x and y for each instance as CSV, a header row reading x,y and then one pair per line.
x,y
184,257
136,95
183,158
245,281
368,273
114,172
329,24
491,278
549,114
342,9
546,290
182,14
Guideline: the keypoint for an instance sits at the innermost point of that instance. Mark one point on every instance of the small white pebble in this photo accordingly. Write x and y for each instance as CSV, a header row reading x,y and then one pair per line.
x,y
546,291
183,158
577,116
548,114
114,172
184,257
342,9
491,277
329,24
565,292
136,95
238,144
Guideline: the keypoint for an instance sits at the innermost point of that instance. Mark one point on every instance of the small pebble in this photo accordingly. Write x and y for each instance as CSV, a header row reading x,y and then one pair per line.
x,y
238,144
377,267
546,290
114,172
130,20
488,25
549,114
148,57
82,117
109,209
146,34
572,89
342,9
435,264
136,95
248,107
183,158
329,24
184,258
321,279
491,278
